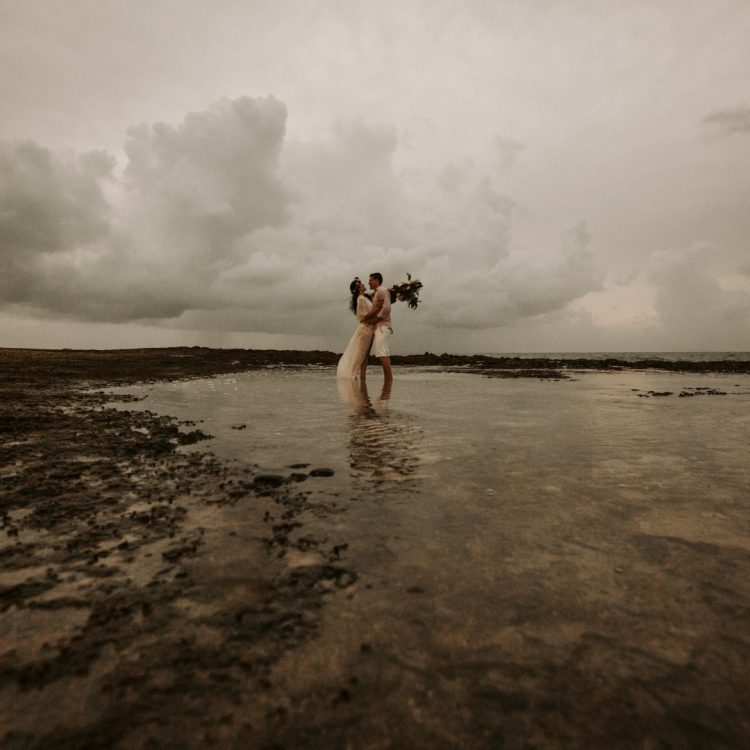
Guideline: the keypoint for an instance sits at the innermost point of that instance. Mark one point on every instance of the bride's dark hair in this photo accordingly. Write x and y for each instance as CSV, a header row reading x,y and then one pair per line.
x,y
354,289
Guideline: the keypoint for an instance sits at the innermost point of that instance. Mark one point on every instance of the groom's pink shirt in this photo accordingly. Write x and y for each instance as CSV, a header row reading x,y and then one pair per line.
x,y
384,314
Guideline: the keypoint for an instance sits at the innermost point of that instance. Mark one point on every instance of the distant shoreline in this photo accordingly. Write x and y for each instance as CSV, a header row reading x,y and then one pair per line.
x,y
121,366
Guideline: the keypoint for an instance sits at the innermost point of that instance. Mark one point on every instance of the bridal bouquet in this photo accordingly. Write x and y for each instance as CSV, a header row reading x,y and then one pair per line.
x,y
407,291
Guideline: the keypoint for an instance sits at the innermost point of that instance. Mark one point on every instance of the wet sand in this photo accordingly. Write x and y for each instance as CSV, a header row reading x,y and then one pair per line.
x,y
151,597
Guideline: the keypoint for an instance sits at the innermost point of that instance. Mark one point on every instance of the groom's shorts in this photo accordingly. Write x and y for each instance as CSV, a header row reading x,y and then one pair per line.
x,y
380,348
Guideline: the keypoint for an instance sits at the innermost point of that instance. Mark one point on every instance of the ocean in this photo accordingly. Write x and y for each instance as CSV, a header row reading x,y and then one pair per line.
x,y
632,356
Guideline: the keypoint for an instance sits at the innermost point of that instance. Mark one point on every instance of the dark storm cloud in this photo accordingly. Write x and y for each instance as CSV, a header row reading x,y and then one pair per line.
x,y
213,178
189,195
516,288
692,305
508,151
735,120
48,205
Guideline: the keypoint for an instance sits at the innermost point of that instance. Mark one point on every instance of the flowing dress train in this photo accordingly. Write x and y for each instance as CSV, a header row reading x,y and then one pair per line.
x,y
359,344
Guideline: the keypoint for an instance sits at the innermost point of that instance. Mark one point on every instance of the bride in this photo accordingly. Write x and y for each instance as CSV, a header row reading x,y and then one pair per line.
x,y
353,361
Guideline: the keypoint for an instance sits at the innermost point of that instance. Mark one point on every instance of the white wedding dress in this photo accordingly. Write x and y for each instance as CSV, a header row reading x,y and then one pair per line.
x,y
359,344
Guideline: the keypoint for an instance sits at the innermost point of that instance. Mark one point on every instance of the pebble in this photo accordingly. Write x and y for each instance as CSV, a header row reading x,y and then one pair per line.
x,y
323,471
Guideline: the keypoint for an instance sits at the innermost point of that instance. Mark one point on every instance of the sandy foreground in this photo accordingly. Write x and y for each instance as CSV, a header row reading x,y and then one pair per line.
x,y
145,598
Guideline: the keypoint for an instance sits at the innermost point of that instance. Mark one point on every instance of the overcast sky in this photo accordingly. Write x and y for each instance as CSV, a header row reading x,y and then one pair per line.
x,y
562,176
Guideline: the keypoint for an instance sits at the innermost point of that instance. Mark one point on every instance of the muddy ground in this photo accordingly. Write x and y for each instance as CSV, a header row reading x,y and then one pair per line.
x,y
146,594
115,630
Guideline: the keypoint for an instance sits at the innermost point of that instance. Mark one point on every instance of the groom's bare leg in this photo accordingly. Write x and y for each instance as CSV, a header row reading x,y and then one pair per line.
x,y
385,394
386,364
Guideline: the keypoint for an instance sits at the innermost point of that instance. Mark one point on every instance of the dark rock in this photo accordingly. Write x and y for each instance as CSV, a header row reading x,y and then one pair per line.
x,y
323,471
271,480
337,550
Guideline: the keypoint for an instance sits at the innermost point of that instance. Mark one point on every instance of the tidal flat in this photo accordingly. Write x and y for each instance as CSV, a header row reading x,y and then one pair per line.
x,y
486,555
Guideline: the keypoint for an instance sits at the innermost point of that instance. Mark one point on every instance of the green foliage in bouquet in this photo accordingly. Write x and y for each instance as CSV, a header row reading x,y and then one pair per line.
x,y
407,291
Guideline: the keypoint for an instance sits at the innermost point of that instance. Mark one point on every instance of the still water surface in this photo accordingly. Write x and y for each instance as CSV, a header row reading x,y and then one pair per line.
x,y
445,433
509,532
456,481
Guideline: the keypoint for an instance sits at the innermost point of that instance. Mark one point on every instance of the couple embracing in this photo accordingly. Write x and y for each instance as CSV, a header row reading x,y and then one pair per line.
x,y
374,330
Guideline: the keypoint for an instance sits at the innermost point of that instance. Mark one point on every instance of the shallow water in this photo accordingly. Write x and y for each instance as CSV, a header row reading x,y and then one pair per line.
x,y
449,433
470,467
509,532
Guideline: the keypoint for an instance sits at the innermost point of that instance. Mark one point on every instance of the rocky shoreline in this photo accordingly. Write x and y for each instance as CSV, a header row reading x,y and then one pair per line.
x,y
121,366
122,620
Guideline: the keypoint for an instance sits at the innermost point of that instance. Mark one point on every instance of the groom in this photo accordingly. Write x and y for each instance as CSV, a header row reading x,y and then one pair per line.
x,y
380,316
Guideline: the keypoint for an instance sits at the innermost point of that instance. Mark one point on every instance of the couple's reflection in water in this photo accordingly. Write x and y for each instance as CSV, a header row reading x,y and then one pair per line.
x,y
382,446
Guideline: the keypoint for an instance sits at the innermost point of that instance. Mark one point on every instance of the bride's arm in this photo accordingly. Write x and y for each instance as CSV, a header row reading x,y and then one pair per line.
x,y
362,309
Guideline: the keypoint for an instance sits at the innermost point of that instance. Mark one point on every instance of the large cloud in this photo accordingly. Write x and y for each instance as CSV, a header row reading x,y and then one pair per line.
x,y
48,206
693,307
188,197
221,222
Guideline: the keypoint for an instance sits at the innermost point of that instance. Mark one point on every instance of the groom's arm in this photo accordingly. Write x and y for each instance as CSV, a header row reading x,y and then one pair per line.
x,y
377,306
